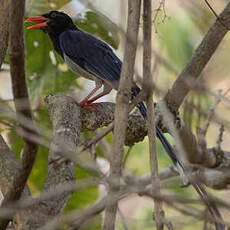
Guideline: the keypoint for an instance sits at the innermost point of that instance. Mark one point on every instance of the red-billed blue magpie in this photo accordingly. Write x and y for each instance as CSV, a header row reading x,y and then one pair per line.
x,y
95,60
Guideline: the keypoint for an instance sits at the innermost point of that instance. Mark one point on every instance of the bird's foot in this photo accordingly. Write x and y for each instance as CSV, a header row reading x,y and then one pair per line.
x,y
89,106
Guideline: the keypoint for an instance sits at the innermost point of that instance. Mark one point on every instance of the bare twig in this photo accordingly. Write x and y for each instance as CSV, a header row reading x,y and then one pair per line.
x,y
214,12
127,156
148,87
123,220
220,138
161,7
211,113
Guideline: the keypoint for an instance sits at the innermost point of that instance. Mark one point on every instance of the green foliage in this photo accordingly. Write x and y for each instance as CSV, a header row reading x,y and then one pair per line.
x,y
176,40
84,196
16,143
39,172
81,199
38,7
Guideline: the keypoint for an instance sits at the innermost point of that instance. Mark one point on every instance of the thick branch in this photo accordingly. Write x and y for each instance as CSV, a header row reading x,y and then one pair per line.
x,y
65,117
9,165
186,80
104,115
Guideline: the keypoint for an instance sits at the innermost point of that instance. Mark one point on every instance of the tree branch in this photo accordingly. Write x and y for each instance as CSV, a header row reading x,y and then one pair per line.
x,y
65,117
9,167
148,88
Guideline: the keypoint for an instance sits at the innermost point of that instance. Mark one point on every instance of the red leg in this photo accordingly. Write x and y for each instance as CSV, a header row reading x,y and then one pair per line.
x,y
99,96
84,102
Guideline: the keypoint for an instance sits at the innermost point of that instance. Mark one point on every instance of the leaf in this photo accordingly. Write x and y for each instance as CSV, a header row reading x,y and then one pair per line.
x,y
16,143
83,198
39,172
176,39
38,7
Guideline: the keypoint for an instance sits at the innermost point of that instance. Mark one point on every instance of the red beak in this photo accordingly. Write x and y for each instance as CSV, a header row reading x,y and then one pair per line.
x,y
42,22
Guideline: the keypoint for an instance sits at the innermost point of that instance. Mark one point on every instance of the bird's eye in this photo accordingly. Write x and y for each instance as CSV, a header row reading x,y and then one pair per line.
x,y
53,15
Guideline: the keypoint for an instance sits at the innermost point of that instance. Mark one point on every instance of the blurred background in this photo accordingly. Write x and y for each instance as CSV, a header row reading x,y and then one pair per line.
x,y
179,27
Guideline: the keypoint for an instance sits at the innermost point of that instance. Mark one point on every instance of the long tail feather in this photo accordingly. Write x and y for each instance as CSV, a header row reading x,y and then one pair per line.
x,y
171,153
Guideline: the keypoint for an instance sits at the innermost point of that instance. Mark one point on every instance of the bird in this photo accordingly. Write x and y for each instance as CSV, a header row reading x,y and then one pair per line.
x,y
94,59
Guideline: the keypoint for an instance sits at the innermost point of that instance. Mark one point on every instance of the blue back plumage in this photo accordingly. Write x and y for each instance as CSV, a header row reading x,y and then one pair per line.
x,y
91,54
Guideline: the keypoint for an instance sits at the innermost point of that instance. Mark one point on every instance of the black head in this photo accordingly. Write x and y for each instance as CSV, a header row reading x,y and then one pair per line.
x,y
54,22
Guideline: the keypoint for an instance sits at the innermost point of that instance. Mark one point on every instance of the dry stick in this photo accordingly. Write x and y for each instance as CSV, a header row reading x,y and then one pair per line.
x,y
17,64
214,12
200,58
123,220
201,132
220,138
212,111
148,87
122,107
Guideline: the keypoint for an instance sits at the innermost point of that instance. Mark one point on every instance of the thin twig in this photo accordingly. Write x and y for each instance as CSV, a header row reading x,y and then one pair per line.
x,y
220,138
161,7
148,87
127,156
214,12
123,220
211,113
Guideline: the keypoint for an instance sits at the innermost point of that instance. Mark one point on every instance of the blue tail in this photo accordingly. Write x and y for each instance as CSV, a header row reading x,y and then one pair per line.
x,y
161,137
171,153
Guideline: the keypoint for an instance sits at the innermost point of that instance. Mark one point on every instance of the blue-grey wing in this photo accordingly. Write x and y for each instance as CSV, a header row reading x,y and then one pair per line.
x,y
91,54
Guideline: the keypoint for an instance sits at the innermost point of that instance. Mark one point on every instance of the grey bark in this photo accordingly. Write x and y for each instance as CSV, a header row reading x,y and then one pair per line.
x,y
65,117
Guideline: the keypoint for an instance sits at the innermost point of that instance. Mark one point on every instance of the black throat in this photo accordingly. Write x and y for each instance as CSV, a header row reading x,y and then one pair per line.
x,y
54,36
